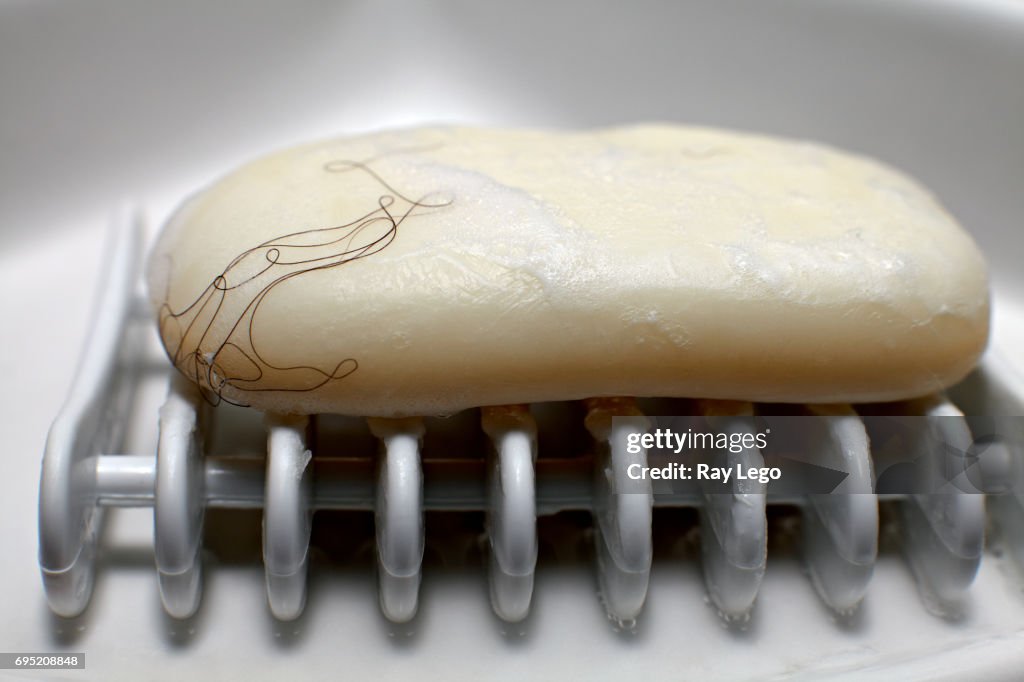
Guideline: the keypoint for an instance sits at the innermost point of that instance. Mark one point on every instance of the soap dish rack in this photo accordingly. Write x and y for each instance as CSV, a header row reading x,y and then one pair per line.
x,y
84,472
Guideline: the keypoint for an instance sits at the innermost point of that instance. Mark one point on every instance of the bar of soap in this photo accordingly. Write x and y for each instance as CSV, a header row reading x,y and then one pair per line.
x,y
424,271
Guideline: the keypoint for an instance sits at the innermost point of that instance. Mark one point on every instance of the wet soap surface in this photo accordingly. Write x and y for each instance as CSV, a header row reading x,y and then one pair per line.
x,y
427,270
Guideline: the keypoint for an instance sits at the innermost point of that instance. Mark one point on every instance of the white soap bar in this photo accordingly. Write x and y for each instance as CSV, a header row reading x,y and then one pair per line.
x,y
430,270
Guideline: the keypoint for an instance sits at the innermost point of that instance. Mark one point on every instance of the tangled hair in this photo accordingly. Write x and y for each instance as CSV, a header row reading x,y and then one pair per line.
x,y
201,345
